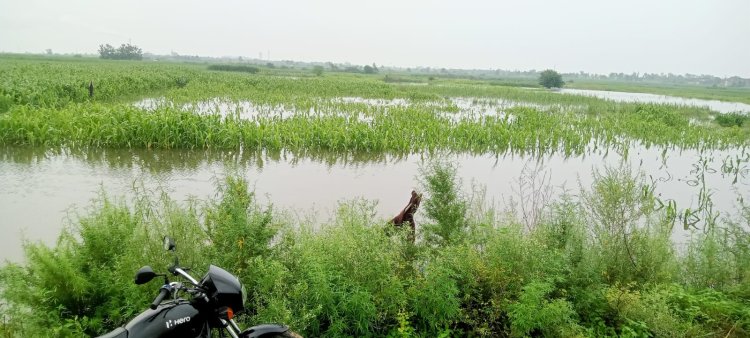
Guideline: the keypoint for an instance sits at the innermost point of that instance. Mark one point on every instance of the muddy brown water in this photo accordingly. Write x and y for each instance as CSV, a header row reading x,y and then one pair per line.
x,y
40,188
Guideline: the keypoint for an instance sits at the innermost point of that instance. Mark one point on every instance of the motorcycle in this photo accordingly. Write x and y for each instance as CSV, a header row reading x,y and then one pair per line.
x,y
213,302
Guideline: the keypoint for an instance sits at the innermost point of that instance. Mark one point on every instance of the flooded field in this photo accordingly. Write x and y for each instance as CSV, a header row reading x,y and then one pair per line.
x,y
562,203
715,105
455,108
40,189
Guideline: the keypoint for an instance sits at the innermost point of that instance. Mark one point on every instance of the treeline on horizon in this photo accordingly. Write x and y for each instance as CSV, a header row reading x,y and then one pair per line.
x,y
133,52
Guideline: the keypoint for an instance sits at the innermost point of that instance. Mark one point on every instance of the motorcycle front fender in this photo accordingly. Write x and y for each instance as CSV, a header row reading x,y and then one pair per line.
x,y
264,330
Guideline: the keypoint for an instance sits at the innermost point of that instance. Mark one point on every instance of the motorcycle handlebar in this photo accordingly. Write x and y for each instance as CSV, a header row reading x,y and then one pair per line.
x,y
163,292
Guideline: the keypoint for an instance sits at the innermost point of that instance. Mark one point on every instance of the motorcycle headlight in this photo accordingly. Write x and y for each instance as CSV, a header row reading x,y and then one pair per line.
x,y
224,288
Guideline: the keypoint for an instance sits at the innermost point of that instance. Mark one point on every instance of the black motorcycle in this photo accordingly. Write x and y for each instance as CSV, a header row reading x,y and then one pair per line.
x,y
212,304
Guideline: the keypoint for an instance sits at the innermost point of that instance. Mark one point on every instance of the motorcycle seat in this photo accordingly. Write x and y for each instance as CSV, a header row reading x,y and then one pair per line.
x,y
116,333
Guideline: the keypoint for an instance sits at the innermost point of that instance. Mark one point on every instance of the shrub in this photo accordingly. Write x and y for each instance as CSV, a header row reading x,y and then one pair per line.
x,y
731,119
535,313
632,243
444,207
551,79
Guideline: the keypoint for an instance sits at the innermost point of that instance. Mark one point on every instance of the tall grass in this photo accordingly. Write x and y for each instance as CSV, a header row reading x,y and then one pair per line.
x,y
596,265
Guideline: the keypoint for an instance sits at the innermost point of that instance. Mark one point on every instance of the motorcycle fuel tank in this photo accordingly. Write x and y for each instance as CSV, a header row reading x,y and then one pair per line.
x,y
169,320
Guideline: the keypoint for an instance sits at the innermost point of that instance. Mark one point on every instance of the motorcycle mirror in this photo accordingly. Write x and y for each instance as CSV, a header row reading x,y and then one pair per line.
x,y
168,243
144,275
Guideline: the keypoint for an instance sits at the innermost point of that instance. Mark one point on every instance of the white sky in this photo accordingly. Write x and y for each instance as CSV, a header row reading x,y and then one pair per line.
x,y
598,36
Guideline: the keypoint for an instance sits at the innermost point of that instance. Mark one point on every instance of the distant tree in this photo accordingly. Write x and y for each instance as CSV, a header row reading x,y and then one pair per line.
x,y
124,52
369,69
551,79
318,70
130,52
48,51
107,51
270,65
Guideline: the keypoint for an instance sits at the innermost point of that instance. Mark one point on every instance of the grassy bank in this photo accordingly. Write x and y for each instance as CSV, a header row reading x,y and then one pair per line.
x,y
596,264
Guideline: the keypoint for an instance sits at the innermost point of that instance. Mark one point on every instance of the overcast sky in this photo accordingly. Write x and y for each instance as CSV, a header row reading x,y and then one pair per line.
x,y
598,36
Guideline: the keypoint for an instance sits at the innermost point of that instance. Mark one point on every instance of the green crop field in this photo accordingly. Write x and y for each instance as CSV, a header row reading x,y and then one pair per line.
x,y
49,106
597,262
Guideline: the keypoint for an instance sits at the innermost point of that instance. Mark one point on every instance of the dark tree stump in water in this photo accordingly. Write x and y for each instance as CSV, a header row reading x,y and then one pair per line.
x,y
407,214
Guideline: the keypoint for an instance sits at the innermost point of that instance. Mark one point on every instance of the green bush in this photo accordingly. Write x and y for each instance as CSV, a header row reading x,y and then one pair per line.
x,y
631,241
731,119
535,313
444,207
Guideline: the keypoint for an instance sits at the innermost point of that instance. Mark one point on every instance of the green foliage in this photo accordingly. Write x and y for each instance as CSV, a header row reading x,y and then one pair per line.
x,y
348,278
444,207
370,69
51,106
436,298
400,79
238,229
536,313
53,84
719,258
182,81
318,70
731,119
82,282
5,103
124,52
235,68
634,243
550,79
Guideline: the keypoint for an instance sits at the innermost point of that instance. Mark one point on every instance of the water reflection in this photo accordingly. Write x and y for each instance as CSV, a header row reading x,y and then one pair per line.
x,y
38,186
165,161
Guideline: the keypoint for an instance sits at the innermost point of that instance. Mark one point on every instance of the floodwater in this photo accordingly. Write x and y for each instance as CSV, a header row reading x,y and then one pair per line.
x,y
40,190
454,109
715,105
468,108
